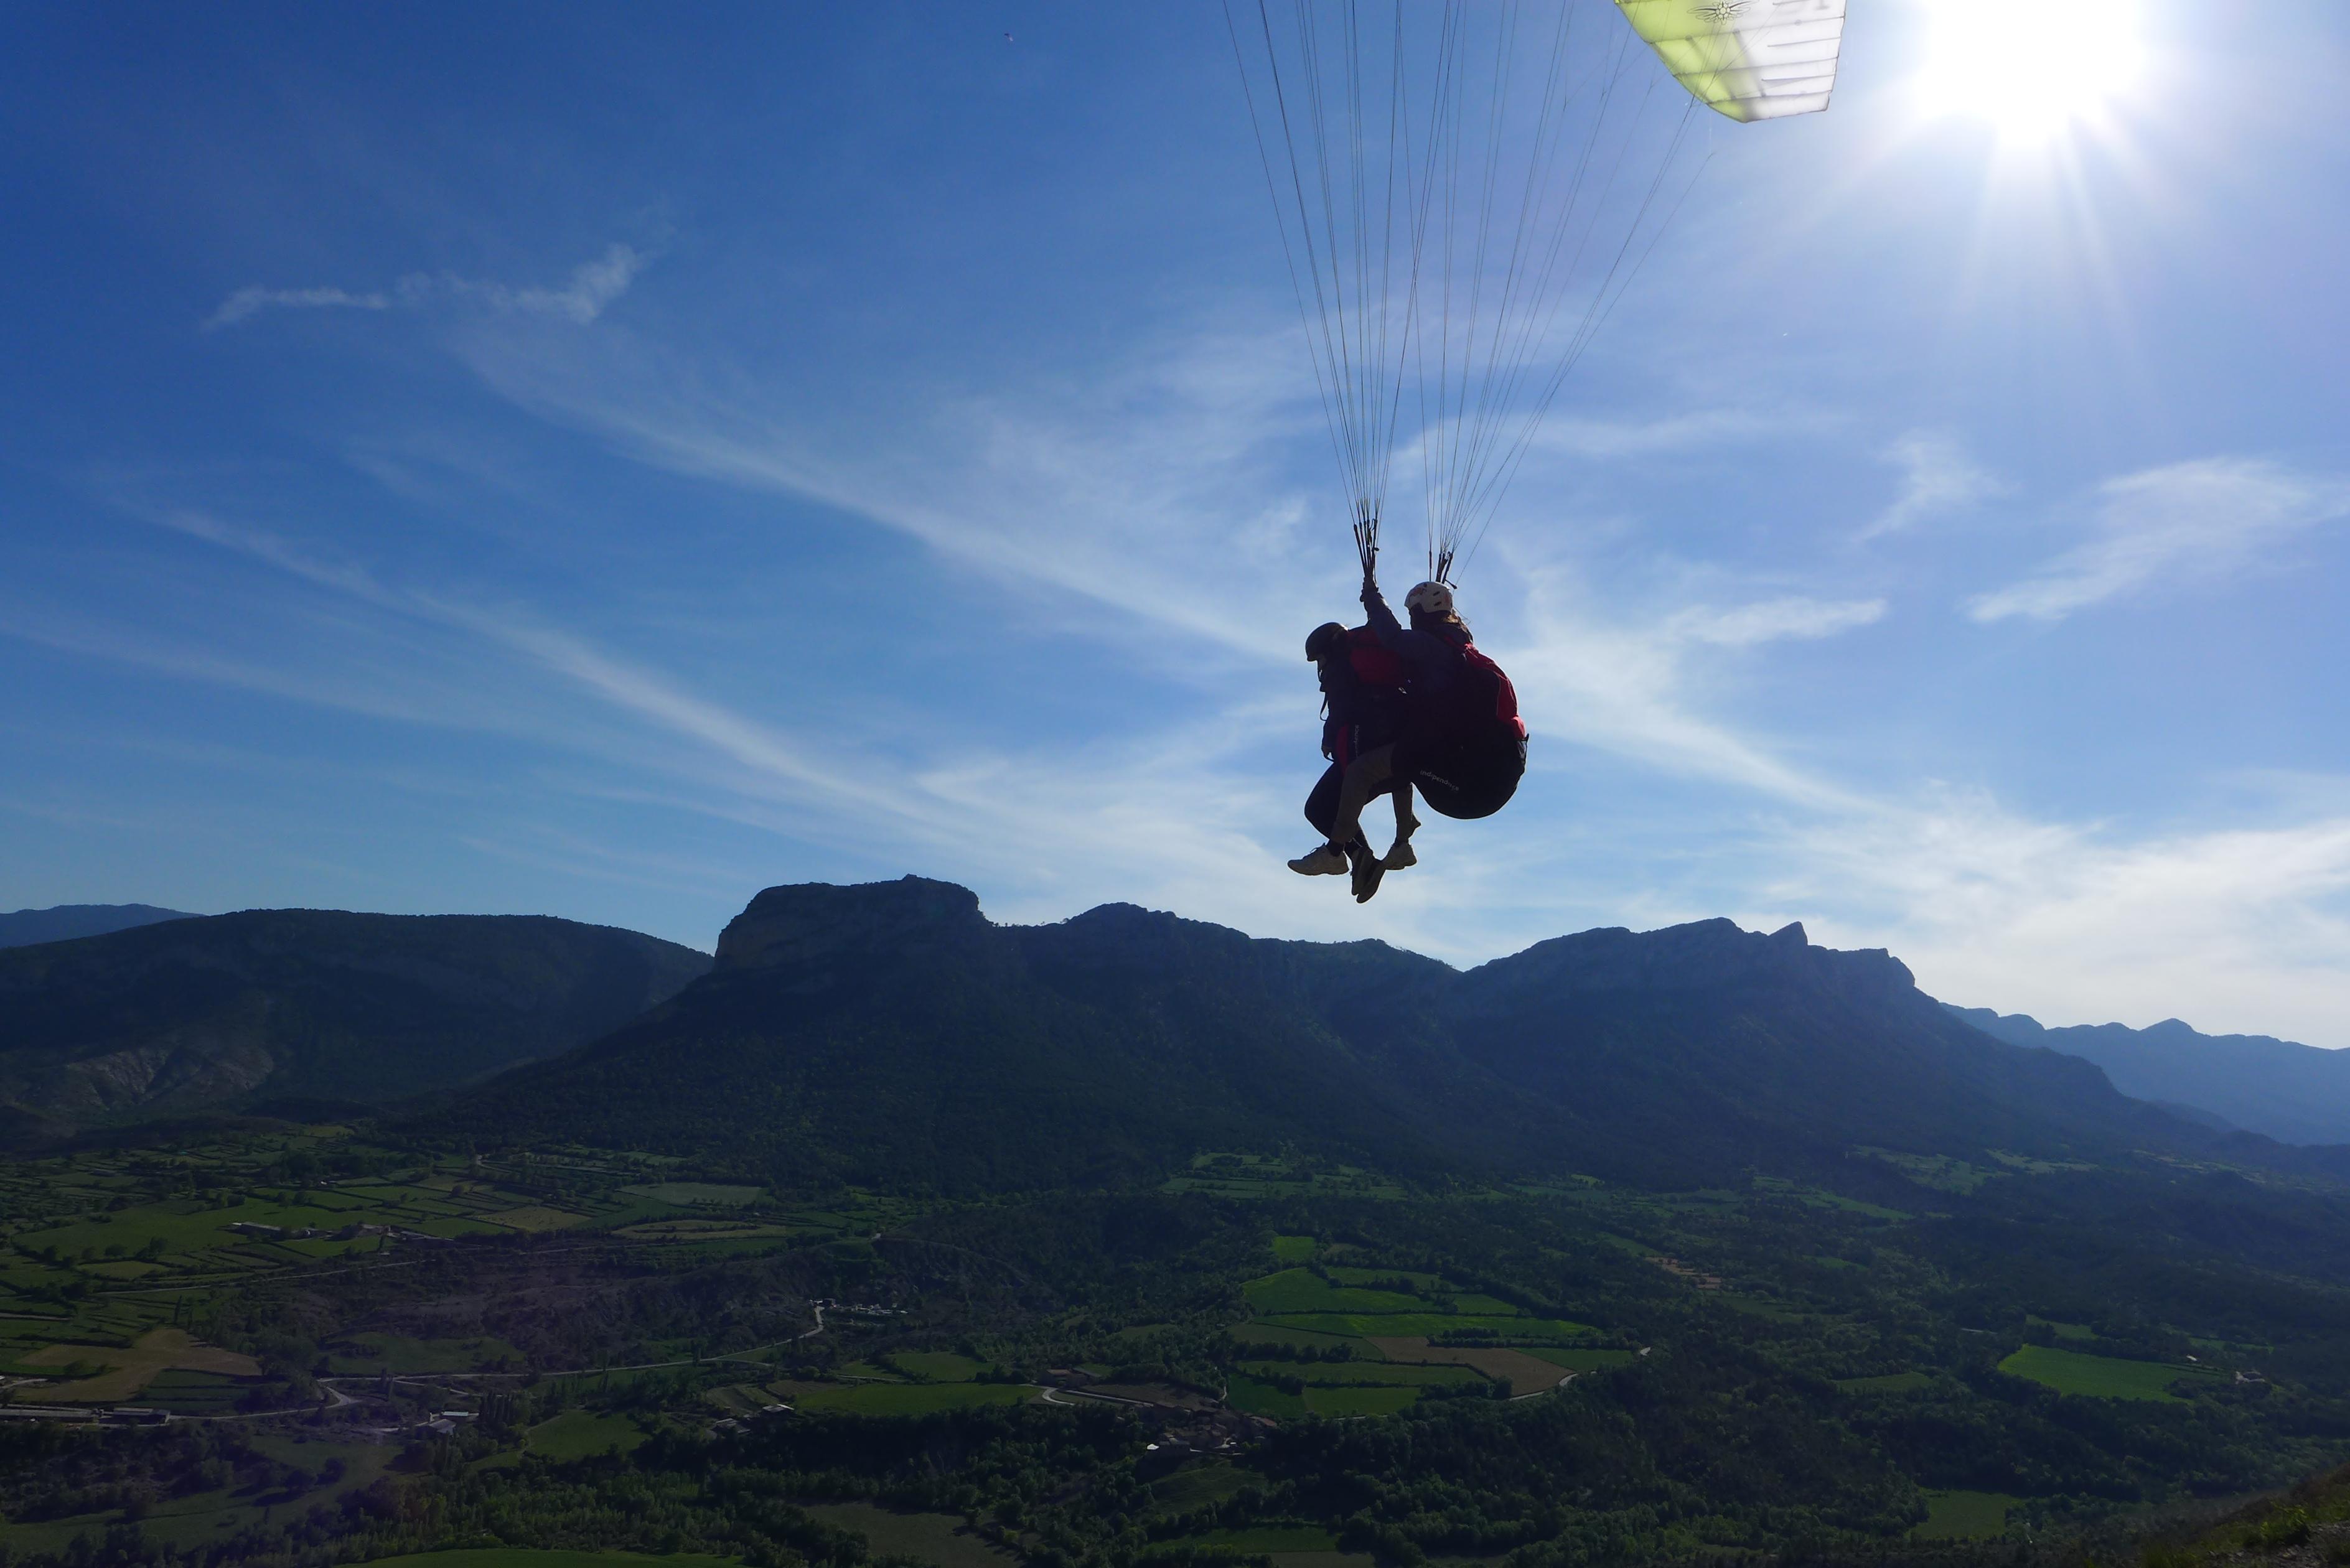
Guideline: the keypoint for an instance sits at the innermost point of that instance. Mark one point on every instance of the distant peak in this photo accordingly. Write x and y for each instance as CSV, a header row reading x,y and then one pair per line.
x,y
809,921
1701,954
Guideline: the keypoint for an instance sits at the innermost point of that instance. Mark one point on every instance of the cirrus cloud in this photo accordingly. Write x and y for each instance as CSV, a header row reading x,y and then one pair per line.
x,y
592,287
2206,518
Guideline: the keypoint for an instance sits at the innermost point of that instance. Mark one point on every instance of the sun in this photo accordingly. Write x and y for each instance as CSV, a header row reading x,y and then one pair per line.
x,y
2033,69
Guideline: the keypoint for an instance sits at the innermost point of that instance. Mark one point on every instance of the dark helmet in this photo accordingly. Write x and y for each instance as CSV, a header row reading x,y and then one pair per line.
x,y
1323,641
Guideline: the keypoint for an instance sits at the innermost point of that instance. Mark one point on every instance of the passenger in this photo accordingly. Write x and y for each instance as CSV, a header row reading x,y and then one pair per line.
x,y
1362,695
1458,738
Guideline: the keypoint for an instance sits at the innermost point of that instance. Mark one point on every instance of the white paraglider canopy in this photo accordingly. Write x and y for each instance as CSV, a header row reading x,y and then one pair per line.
x,y
1751,59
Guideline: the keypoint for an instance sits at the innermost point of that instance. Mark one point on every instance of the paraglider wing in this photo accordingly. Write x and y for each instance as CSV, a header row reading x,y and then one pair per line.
x,y
1751,59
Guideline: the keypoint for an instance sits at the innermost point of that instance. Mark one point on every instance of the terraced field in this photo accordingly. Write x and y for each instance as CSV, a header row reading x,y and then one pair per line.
x,y
1393,1322
119,1374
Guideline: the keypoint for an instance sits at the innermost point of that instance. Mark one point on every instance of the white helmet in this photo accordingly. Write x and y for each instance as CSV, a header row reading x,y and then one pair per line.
x,y
1430,599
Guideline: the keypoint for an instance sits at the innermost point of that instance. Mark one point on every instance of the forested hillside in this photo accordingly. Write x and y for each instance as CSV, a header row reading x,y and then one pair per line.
x,y
233,1010
889,1034
903,1237
63,923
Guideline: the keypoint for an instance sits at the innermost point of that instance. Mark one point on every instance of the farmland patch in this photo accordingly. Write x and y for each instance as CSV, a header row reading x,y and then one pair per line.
x,y
580,1434
941,1539
2100,1376
124,1371
1965,1515
1524,1373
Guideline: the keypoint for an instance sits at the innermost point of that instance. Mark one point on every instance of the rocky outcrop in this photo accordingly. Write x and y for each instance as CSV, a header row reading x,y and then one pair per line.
x,y
809,924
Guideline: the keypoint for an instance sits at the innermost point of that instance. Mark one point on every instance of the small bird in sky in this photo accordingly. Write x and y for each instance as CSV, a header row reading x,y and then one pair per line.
x,y
1007,38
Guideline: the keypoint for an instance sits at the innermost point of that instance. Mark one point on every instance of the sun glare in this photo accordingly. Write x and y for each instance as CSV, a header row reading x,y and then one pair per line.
x,y
2032,69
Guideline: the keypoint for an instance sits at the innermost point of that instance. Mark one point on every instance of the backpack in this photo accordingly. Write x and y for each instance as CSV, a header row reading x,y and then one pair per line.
x,y
1486,694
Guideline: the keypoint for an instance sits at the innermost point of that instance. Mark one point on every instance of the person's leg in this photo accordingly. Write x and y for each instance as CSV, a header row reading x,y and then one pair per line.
x,y
1400,853
1370,774
1322,804
1322,810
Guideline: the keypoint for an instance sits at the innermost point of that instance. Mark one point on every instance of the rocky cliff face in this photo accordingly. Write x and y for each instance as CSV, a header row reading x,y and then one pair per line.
x,y
1706,955
812,924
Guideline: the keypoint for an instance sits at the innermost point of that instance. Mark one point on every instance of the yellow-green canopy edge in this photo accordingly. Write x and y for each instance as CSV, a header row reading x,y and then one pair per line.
x,y
1750,59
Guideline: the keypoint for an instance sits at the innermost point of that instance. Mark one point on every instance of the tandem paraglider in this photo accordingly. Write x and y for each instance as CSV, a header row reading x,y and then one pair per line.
x,y
1410,708
1465,193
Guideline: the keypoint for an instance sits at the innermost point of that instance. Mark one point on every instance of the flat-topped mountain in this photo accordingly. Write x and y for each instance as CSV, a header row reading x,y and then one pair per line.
x,y
2293,1093
227,1012
63,922
888,1033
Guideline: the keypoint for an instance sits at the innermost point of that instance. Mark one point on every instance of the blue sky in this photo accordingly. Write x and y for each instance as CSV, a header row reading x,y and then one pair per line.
x,y
603,461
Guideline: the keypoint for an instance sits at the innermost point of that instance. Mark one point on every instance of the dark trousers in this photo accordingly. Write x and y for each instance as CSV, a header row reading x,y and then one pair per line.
x,y
1322,805
1360,719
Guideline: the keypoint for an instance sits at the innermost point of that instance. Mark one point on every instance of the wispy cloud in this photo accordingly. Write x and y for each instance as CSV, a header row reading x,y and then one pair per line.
x,y
1937,477
2201,520
1153,494
251,301
591,286
1576,436
2239,929
1774,619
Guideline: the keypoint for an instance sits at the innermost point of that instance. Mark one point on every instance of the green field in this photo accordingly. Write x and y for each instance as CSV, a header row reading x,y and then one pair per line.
x,y
689,1192
1964,1515
1430,1324
1358,1402
579,1434
1303,1338
1578,1360
1350,1374
937,1538
1357,1276
936,1365
914,1398
1292,1249
1251,1396
1294,1291
2100,1376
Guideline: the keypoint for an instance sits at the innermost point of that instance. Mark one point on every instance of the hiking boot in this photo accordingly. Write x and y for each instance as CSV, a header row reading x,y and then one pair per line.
x,y
1328,860
1367,870
1399,855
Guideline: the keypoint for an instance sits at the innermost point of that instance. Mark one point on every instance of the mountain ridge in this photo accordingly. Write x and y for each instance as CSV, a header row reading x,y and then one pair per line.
x,y
2293,1093
63,922
223,1011
888,1032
